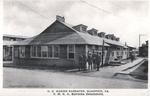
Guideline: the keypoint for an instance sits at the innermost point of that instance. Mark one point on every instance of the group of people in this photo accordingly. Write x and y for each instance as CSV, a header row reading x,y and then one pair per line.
x,y
91,61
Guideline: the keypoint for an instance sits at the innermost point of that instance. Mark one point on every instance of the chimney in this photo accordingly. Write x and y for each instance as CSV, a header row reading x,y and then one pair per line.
x,y
80,28
101,34
125,44
60,18
147,43
93,32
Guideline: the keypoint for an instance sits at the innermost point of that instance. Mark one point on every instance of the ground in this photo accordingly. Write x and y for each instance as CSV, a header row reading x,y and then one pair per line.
x,y
14,77
48,78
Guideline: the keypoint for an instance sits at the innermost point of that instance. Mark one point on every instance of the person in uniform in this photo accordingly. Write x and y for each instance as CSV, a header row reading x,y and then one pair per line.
x,y
89,60
80,62
94,60
98,61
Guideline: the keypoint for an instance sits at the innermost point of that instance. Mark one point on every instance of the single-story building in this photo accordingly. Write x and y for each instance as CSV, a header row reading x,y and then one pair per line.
x,y
60,45
8,42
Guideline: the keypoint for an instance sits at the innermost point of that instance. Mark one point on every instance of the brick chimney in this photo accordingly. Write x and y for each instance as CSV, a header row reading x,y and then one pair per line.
x,y
60,18
80,28
101,34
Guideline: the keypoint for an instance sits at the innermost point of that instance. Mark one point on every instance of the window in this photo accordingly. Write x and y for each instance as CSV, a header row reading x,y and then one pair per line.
x,y
93,47
117,53
33,51
7,53
112,53
50,51
44,51
56,50
38,51
100,48
71,51
16,52
21,51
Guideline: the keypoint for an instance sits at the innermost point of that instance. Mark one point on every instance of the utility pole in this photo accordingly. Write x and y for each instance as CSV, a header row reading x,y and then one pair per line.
x,y
103,52
140,39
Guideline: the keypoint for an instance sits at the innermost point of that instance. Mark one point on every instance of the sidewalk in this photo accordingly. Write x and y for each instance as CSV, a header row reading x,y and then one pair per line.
x,y
109,71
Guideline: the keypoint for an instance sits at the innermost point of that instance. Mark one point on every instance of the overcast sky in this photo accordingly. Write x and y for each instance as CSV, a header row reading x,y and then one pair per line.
x,y
124,18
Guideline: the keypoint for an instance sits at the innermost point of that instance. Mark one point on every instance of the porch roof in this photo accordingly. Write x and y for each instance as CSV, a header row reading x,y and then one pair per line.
x,y
24,42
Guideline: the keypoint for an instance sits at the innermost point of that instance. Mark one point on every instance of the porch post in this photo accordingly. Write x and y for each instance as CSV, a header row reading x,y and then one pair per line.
x,y
86,50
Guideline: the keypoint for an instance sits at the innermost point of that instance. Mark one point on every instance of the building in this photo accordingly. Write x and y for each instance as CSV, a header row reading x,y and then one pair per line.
x,y
60,45
143,50
8,41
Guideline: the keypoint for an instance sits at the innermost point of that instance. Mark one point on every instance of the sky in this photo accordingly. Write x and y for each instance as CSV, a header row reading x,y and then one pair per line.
x,y
123,18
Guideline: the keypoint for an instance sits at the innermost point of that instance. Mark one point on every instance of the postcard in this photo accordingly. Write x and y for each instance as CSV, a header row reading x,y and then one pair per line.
x,y
74,47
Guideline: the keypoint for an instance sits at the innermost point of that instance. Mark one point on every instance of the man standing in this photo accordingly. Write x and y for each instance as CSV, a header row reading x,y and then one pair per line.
x,y
89,60
98,61
94,60
80,62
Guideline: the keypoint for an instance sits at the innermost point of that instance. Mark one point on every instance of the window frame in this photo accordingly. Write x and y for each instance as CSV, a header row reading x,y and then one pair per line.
x,y
53,51
11,49
113,53
31,50
47,57
22,49
44,51
68,52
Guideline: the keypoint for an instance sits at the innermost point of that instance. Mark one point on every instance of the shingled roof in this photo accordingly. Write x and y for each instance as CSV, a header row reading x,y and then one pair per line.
x,y
70,36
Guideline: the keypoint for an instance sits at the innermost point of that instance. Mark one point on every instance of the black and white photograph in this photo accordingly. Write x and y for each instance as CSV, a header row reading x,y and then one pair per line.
x,y
94,44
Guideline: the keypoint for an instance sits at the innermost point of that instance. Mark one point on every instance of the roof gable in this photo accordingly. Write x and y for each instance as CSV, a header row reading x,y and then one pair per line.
x,y
54,31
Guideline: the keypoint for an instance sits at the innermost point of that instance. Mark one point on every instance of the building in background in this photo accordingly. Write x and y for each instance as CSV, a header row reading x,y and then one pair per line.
x,y
8,41
61,44
143,50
